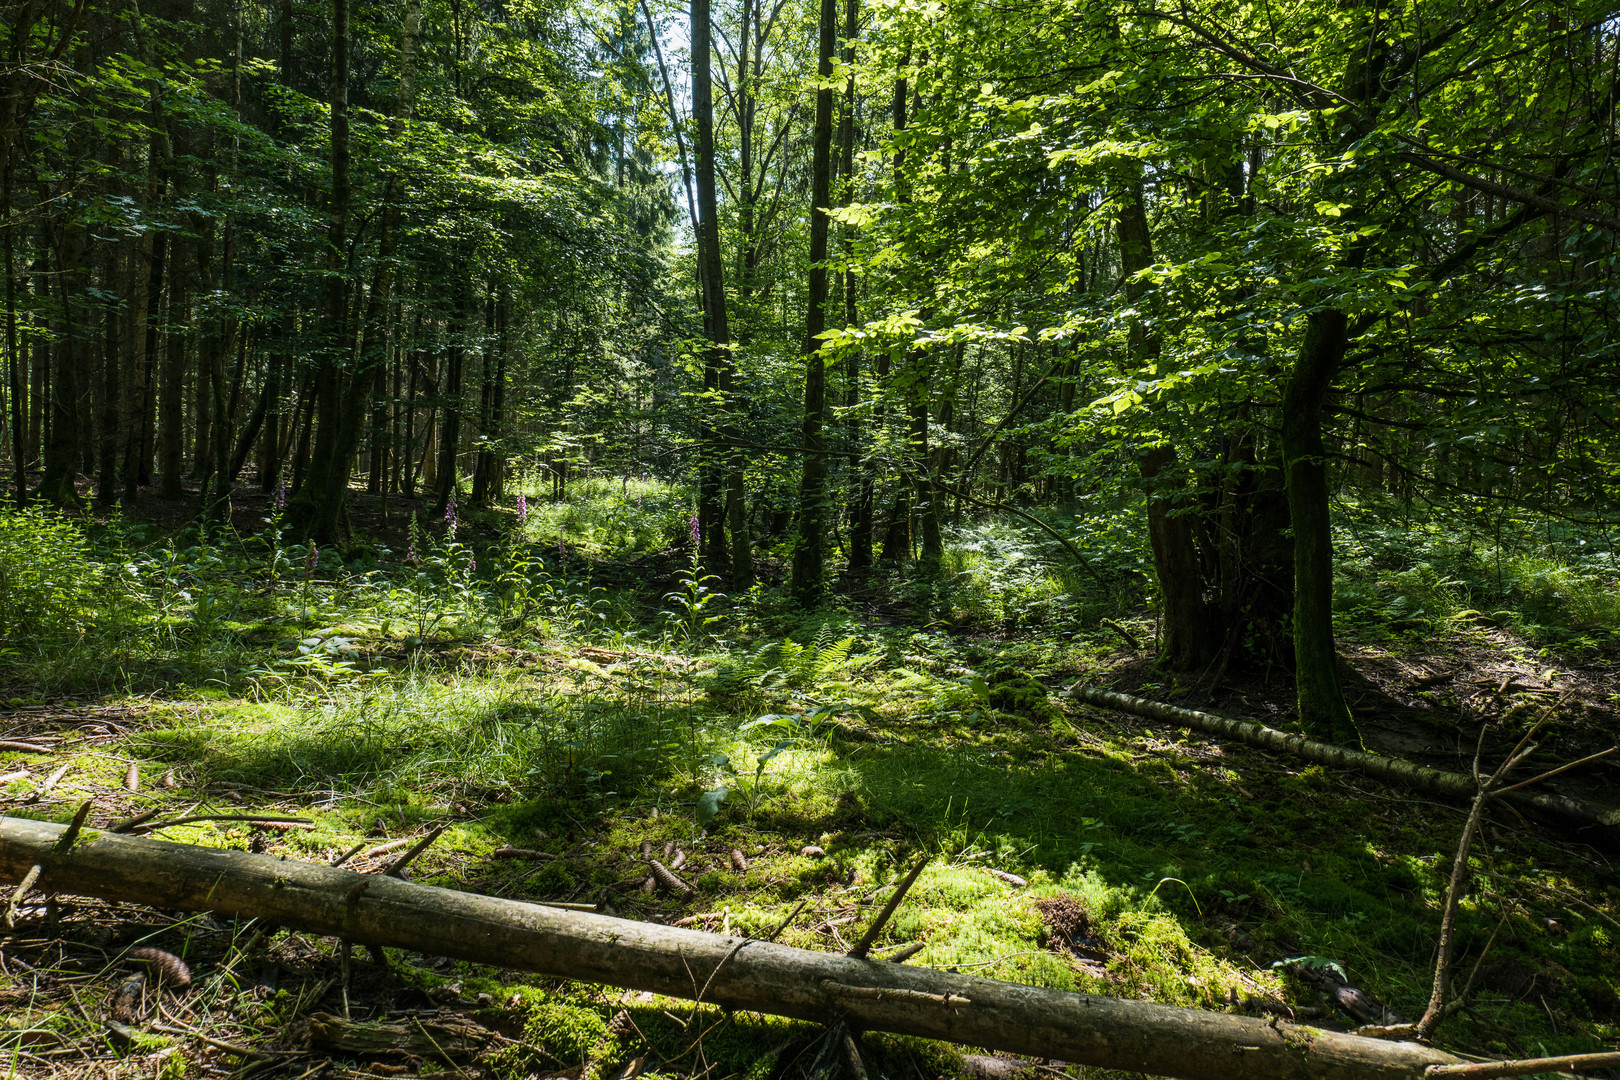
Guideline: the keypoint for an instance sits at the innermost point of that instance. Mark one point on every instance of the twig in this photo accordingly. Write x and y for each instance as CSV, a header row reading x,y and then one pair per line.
x,y
1479,1070
22,891
853,1052
1130,638
735,949
193,819
1459,871
520,853
838,989
900,956
1448,918
347,855
228,1047
133,822
1479,961
397,868
783,925
864,946
383,849
65,844
1554,772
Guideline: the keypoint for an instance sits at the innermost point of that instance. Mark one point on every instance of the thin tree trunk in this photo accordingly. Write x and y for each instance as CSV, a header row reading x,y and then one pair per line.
x,y
271,438
146,453
318,505
487,485
1385,768
14,357
134,380
713,481
62,455
171,433
862,488
450,399
110,433
808,556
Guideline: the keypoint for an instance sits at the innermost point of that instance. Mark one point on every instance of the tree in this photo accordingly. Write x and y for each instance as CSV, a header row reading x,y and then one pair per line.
x,y
808,558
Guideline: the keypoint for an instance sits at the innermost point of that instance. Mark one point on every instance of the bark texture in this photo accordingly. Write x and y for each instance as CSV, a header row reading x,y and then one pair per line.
x,y
728,971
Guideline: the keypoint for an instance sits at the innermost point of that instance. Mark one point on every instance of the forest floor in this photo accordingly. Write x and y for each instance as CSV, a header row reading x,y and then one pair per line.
x,y
597,717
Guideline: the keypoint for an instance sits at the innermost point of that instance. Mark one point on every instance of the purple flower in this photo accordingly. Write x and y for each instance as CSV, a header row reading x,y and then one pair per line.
x,y
281,497
522,509
695,528
450,514
314,560
472,563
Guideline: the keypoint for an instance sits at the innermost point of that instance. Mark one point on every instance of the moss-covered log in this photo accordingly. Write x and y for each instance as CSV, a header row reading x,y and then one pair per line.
x,y
1393,769
729,971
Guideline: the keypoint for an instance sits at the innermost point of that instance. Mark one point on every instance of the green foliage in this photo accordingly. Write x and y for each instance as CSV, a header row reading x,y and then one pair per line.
x,y
51,590
611,518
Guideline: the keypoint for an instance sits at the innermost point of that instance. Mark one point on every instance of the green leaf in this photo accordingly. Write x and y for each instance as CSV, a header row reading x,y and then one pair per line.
x,y
708,804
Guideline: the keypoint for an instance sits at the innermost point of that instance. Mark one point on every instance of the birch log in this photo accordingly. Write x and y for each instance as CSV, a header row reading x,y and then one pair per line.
x,y
1393,769
728,971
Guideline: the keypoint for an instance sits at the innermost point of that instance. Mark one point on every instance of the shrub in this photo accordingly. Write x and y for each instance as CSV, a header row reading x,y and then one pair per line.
x,y
49,587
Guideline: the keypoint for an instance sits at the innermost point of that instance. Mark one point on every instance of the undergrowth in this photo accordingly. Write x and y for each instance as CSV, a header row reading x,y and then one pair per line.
x,y
492,680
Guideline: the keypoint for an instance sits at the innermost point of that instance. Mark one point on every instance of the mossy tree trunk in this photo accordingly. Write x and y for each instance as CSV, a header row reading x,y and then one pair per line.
x,y
1322,709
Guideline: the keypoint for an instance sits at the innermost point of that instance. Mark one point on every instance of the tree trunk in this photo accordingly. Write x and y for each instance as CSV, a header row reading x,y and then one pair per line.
x,y
171,431
725,971
14,357
318,505
271,438
487,477
716,479
1322,709
862,490
1191,639
70,358
135,382
450,402
809,561
1385,768
109,403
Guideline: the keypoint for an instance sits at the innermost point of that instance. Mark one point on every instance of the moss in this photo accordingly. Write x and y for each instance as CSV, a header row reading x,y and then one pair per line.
x,y
1015,693
567,1030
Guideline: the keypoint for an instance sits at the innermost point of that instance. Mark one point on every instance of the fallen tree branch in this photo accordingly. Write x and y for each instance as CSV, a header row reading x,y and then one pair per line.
x,y
1480,1070
864,945
731,972
1459,875
1393,769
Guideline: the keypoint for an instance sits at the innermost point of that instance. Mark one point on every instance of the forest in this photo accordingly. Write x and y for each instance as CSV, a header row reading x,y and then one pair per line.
x,y
1108,504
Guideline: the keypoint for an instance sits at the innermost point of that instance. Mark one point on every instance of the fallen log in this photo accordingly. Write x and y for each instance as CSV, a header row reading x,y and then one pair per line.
x,y
1393,769
725,970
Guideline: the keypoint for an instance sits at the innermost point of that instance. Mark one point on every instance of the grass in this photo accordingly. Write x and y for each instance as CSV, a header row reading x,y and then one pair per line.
x,y
539,711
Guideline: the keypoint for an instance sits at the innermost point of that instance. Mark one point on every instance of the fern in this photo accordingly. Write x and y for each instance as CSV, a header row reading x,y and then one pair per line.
x,y
834,659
